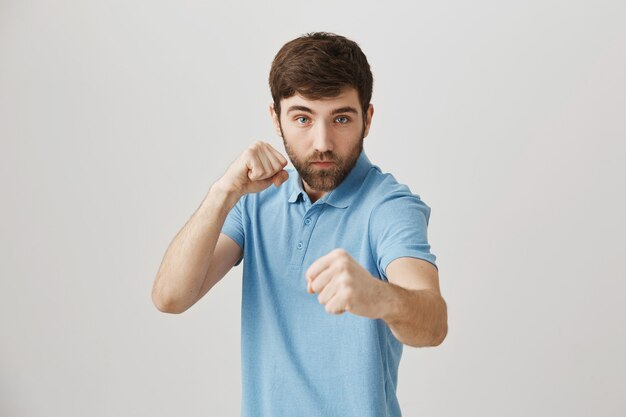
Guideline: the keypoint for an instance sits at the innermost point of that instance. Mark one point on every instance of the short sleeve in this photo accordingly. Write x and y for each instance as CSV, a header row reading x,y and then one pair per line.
x,y
398,228
233,225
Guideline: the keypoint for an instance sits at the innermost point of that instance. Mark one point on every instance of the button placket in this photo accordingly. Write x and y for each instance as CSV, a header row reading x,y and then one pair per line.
x,y
306,230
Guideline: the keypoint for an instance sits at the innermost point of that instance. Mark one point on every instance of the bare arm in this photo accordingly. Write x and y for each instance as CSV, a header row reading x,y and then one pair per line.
x,y
416,312
199,255
185,265
410,303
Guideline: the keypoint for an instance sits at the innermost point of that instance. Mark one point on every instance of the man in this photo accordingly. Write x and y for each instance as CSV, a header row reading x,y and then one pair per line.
x,y
338,272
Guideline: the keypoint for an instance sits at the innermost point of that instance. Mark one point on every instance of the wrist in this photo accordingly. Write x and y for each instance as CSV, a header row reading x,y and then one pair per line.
x,y
389,306
224,194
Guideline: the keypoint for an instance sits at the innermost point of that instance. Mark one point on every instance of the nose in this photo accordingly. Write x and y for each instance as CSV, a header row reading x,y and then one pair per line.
x,y
322,138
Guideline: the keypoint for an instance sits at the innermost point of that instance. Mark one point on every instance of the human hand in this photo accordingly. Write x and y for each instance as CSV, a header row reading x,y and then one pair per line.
x,y
344,285
255,169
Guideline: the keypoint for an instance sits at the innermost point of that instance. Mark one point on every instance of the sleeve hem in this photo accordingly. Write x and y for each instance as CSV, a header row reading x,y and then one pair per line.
x,y
386,260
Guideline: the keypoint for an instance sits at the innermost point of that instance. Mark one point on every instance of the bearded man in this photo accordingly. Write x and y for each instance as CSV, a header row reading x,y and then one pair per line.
x,y
337,269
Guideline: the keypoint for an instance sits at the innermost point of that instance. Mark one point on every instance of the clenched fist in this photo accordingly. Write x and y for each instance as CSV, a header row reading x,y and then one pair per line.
x,y
342,284
255,169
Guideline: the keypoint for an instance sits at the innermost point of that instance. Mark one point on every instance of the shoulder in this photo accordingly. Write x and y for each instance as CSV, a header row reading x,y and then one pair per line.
x,y
393,205
388,195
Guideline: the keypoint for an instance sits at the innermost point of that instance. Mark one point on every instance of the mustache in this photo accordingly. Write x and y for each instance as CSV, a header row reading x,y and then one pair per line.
x,y
323,157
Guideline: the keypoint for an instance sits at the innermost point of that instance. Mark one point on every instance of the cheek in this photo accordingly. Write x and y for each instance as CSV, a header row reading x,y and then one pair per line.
x,y
296,138
348,141
295,145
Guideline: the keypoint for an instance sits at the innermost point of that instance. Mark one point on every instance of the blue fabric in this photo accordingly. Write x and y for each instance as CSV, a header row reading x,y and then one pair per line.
x,y
298,360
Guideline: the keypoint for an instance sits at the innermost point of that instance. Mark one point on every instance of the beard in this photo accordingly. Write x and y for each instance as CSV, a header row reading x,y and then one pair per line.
x,y
324,179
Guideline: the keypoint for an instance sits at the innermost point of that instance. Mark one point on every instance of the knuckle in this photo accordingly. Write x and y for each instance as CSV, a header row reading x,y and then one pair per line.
x,y
256,174
345,283
254,148
348,292
343,264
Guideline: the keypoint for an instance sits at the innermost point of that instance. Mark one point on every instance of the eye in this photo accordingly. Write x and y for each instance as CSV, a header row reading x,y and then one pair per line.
x,y
342,120
302,120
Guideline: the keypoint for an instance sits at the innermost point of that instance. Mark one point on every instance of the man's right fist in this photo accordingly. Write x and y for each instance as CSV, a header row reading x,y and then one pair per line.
x,y
255,169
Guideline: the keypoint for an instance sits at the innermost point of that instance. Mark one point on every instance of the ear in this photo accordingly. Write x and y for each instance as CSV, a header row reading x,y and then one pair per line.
x,y
275,120
368,119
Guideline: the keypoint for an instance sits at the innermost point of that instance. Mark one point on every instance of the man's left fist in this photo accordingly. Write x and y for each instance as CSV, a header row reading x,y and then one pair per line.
x,y
344,285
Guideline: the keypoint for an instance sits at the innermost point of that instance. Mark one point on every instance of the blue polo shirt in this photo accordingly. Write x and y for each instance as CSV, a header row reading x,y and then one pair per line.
x,y
298,360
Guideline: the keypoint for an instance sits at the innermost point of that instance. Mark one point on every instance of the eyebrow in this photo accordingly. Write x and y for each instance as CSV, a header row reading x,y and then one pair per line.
x,y
346,109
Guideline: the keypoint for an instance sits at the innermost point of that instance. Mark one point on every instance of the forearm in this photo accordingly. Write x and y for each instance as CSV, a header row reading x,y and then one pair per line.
x,y
188,257
416,317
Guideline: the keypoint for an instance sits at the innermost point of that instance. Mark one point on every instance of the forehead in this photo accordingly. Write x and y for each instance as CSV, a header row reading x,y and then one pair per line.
x,y
348,97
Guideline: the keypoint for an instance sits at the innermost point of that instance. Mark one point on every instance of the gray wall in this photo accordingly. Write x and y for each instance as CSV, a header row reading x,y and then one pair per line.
x,y
507,118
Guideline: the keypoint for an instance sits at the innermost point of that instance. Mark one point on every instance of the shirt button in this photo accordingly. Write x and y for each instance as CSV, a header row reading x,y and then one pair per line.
x,y
299,245
307,221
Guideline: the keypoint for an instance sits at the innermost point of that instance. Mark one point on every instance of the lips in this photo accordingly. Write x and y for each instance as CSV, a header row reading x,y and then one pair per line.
x,y
323,163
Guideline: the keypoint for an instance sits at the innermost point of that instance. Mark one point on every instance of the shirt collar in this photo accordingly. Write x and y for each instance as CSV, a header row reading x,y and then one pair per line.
x,y
342,196
295,186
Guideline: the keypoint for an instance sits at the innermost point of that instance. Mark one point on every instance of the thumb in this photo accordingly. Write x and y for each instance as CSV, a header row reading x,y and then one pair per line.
x,y
280,177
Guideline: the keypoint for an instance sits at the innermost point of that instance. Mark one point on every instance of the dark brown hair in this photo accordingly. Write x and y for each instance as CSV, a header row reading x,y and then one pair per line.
x,y
318,65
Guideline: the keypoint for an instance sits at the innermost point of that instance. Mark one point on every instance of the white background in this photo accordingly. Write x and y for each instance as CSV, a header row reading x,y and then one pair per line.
x,y
507,118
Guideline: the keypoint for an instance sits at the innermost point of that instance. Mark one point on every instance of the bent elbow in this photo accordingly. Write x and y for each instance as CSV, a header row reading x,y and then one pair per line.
x,y
441,336
443,327
166,304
